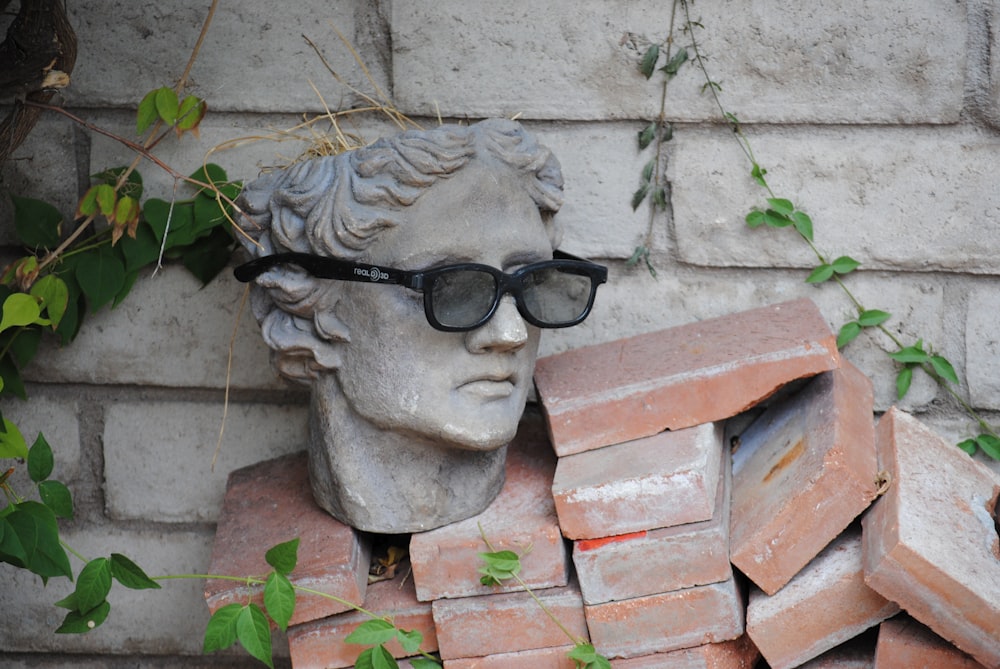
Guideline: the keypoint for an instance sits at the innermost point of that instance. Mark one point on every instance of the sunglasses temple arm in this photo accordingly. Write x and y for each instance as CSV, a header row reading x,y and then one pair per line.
x,y
322,268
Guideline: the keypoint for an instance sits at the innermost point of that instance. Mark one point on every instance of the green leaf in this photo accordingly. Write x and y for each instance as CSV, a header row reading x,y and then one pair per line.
x,y
254,633
146,115
758,172
647,170
820,274
37,224
968,445
101,275
12,443
132,187
873,317
424,663
675,62
586,655
105,197
500,566
376,658
57,497
990,445
781,205
93,584
67,602
372,632
12,550
660,197
167,105
190,113
40,460
54,294
944,368
803,224
639,196
36,528
755,218
646,136
648,63
279,599
130,575
220,632
903,380
848,333
283,556
776,219
409,640
911,354
210,173
207,214
24,344
20,309
142,250
845,265
81,623
12,384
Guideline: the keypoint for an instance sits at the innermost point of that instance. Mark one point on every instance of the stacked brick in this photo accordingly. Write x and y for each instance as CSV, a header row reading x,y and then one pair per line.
x,y
632,520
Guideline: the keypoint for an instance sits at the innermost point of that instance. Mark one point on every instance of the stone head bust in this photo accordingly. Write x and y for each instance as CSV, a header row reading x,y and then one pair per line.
x,y
419,384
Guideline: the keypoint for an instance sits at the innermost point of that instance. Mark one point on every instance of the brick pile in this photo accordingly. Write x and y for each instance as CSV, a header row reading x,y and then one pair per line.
x,y
662,462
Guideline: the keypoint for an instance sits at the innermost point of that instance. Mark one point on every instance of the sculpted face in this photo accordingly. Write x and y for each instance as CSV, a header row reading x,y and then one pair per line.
x,y
467,389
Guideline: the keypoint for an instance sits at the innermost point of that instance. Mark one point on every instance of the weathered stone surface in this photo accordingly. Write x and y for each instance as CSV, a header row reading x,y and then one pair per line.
x,y
826,604
931,540
664,480
143,477
662,560
270,503
736,654
813,451
688,375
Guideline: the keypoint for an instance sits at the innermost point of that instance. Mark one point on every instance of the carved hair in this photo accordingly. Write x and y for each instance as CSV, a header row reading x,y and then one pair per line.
x,y
337,206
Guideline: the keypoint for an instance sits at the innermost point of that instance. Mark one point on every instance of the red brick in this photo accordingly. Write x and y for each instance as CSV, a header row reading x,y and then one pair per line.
x,y
826,604
270,503
858,653
803,471
669,621
931,542
668,479
657,561
697,373
541,658
507,622
522,518
904,643
319,644
736,654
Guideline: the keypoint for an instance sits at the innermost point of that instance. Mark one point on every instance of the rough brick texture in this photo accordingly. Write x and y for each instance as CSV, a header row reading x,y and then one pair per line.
x,y
660,481
803,471
319,644
541,658
826,604
735,654
669,621
521,518
270,503
656,561
931,541
903,643
692,374
507,622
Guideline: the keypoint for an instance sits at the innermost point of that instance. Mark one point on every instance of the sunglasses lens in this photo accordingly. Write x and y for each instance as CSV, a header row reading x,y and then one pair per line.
x,y
557,296
463,297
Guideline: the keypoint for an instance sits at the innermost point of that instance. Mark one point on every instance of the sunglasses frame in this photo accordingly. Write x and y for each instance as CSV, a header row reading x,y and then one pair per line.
x,y
323,267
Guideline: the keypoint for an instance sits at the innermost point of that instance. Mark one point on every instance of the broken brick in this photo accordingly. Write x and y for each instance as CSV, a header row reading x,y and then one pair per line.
x,y
802,472
698,373
931,541
668,479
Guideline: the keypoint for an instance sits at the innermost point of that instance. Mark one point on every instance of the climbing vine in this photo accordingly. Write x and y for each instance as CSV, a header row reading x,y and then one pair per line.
x,y
681,47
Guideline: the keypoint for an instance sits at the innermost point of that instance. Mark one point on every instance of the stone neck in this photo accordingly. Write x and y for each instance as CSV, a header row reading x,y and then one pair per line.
x,y
386,482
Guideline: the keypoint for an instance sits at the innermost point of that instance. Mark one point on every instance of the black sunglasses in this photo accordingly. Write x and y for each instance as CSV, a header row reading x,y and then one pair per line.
x,y
554,293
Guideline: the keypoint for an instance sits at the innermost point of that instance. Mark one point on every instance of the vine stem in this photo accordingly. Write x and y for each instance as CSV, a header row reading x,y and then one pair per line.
x,y
541,604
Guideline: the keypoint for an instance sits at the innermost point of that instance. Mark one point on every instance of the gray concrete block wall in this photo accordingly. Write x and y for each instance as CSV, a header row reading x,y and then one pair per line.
x,y
878,119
